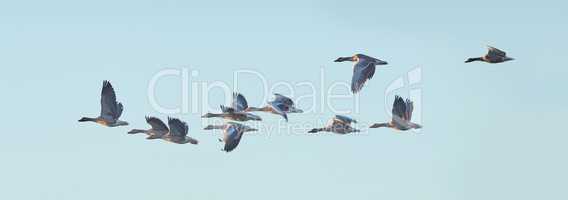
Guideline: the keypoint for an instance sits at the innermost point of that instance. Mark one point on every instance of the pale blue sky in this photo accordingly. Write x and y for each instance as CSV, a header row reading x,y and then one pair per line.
x,y
491,131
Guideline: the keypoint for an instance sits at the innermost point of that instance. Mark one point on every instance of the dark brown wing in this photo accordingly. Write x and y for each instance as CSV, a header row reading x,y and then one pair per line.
x,y
157,124
398,109
494,52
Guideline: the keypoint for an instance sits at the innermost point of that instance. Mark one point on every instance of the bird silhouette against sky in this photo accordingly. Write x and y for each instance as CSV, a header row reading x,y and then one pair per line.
x,y
493,55
363,70
111,110
401,116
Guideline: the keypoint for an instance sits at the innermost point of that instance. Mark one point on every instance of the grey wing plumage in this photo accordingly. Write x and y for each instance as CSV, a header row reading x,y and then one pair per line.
x,y
226,109
232,137
344,119
398,109
495,52
110,108
280,108
284,99
178,128
239,102
157,124
409,109
362,71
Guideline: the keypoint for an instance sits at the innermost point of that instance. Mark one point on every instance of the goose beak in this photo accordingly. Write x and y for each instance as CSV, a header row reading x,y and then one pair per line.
x,y
509,58
341,59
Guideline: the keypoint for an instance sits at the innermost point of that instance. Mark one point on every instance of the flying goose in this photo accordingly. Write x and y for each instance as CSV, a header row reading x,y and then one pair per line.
x,y
274,107
363,69
237,112
339,124
287,101
110,109
178,132
281,105
158,130
493,55
232,134
401,116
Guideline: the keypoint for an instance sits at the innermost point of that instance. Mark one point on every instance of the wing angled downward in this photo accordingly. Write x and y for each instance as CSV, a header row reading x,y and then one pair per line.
x,y
362,71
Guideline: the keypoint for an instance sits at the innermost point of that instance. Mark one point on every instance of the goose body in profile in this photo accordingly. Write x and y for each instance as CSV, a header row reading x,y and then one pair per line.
x,y
111,110
493,55
340,124
237,111
158,130
363,70
281,105
401,116
232,134
178,132
288,102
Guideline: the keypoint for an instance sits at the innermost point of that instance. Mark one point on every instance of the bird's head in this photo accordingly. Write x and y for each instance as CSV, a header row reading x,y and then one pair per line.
x,y
343,59
85,119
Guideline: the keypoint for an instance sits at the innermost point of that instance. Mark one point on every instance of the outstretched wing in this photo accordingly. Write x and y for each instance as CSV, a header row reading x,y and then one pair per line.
x,y
398,109
492,51
110,108
284,99
119,109
409,109
177,128
239,102
226,109
362,71
280,108
344,119
232,137
157,124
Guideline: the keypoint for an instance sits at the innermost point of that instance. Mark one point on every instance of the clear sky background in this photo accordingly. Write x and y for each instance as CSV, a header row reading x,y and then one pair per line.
x,y
490,131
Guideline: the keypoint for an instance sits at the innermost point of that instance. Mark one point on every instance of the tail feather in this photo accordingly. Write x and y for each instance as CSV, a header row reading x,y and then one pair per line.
x,y
193,141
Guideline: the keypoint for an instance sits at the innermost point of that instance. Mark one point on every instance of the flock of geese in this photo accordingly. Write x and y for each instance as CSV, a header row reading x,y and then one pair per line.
x,y
176,130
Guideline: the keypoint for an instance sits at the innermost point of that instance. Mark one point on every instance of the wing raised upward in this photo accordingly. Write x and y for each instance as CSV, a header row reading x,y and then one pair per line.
x,y
409,109
492,51
110,108
157,124
226,109
398,109
178,128
239,102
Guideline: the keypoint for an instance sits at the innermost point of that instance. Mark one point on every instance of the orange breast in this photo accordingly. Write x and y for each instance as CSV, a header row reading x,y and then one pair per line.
x,y
102,122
